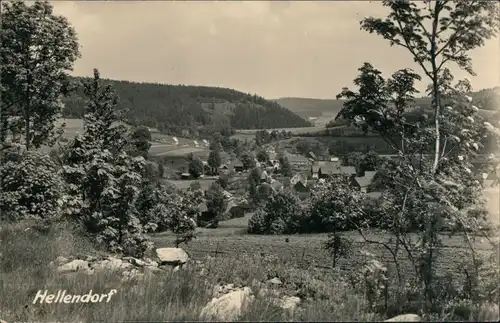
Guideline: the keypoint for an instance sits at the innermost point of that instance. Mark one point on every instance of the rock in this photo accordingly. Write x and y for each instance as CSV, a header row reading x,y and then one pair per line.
x,y
275,281
75,266
405,318
289,302
112,263
138,262
172,256
228,307
220,290
132,274
61,260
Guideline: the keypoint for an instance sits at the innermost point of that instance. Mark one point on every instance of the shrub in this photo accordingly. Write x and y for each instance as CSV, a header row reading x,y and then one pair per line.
x,y
31,186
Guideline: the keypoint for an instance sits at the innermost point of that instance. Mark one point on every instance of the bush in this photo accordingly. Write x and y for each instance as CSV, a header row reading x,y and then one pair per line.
x,y
31,186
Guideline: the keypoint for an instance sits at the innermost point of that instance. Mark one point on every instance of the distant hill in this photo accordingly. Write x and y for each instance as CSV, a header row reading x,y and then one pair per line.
x,y
192,110
321,111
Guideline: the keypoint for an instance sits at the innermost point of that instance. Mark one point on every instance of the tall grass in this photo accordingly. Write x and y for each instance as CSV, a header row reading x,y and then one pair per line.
x,y
25,268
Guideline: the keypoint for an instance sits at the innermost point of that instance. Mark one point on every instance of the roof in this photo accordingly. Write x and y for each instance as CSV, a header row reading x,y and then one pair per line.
x,y
297,158
313,155
185,174
237,163
366,180
348,170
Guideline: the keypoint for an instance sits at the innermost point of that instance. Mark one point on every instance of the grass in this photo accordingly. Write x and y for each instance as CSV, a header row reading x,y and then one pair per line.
x,y
173,296
184,184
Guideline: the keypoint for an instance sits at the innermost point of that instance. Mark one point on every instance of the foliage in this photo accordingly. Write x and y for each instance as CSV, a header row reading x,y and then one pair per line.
x,y
248,160
263,137
141,141
334,206
223,181
285,167
442,191
216,203
262,156
214,159
195,167
38,50
282,214
30,186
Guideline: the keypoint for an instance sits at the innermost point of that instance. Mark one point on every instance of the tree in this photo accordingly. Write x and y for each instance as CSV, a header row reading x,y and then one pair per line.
x,y
253,182
31,186
214,160
456,28
141,141
248,160
263,156
196,167
282,214
223,181
104,181
38,50
216,203
286,168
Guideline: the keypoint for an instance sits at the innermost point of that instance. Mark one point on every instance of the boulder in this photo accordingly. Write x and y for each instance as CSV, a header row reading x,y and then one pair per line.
x,y
289,302
172,256
227,308
76,265
112,264
405,318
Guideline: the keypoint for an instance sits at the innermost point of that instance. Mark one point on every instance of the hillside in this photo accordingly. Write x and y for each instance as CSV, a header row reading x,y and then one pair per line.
x,y
325,110
191,110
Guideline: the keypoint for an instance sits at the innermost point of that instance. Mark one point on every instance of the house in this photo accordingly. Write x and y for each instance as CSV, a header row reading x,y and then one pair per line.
x,y
185,176
297,178
327,169
238,166
236,209
363,182
227,195
297,160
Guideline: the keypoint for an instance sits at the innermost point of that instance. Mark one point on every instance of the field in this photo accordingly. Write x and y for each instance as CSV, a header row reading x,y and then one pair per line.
x,y
184,184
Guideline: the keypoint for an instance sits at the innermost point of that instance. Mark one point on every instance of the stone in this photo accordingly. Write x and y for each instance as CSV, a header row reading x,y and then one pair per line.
x,y
228,307
405,318
275,281
75,266
289,302
172,256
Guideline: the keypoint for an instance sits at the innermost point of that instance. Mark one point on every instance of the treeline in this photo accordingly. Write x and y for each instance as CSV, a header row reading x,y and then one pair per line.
x,y
191,110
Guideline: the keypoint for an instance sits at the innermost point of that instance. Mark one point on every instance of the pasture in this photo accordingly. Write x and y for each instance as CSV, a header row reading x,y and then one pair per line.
x,y
184,184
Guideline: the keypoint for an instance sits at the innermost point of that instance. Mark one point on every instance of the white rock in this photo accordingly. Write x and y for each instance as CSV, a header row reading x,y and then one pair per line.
x,y
275,281
289,302
74,266
405,318
172,256
228,307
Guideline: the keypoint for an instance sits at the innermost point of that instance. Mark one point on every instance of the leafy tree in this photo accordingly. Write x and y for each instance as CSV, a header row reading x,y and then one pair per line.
x,y
223,181
442,191
141,141
216,203
103,180
286,168
38,50
31,186
281,214
253,182
248,160
196,167
214,160
263,156
457,27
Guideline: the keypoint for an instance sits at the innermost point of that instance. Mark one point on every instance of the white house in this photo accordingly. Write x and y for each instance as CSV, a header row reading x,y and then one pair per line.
x,y
175,140
195,143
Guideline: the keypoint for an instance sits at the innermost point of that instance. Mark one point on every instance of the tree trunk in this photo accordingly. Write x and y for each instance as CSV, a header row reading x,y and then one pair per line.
x,y
435,87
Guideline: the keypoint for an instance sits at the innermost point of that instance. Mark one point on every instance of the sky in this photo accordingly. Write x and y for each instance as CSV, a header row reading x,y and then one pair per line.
x,y
274,49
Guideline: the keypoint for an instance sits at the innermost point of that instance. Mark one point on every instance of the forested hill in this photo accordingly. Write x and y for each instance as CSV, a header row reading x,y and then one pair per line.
x,y
178,109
